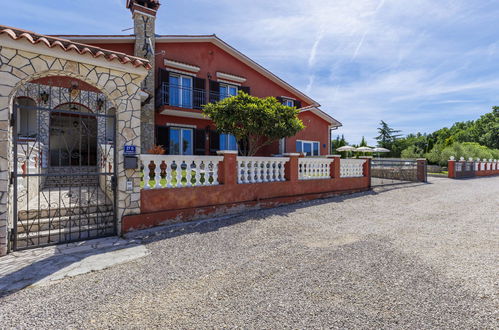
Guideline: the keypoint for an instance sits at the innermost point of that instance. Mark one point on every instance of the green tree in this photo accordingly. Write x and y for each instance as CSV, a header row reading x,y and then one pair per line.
x,y
387,138
363,142
255,122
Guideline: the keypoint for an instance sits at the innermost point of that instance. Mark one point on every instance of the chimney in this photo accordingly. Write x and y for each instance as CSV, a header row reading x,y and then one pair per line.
x,y
144,17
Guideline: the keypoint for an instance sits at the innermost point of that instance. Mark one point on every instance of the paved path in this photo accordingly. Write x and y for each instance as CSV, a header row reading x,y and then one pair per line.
x,y
413,256
44,266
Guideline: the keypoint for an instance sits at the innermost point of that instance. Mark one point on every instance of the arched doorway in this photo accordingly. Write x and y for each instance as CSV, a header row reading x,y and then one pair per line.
x,y
64,139
73,136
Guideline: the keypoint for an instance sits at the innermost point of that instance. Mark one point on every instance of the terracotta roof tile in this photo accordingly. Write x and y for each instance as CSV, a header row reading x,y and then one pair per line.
x,y
67,45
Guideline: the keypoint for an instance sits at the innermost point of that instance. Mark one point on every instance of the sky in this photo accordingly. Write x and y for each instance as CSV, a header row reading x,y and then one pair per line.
x,y
418,65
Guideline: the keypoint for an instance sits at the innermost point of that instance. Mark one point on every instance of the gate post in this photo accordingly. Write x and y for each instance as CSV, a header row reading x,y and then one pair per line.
x,y
291,168
335,166
227,172
421,170
451,168
367,168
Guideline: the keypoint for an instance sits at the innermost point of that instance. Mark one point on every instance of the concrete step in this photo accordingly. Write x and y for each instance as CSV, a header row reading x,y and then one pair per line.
x,y
57,223
70,181
62,212
46,237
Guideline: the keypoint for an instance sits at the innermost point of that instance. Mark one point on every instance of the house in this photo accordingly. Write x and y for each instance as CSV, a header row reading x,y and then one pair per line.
x,y
75,108
190,71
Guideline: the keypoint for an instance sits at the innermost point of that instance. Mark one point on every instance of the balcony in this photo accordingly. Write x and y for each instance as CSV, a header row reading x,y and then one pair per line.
x,y
180,96
186,97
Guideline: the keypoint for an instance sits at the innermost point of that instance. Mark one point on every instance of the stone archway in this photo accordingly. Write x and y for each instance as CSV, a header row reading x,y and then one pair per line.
x,y
23,60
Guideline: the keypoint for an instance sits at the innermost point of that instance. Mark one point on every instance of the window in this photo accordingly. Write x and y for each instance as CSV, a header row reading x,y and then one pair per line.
x,y
180,91
288,102
27,122
310,148
228,142
227,91
181,142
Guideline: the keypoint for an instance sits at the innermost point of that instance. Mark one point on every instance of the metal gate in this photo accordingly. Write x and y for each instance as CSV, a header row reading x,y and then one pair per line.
x,y
387,171
64,166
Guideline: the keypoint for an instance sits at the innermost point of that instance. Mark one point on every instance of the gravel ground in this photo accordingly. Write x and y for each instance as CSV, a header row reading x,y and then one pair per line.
x,y
412,256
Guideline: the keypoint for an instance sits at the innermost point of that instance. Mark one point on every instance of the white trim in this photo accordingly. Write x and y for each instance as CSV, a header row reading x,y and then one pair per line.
x,y
231,77
57,52
181,130
228,82
231,152
190,74
180,89
183,113
288,97
311,142
181,66
228,89
180,125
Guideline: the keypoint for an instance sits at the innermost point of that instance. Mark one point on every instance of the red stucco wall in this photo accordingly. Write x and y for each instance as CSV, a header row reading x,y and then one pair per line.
x,y
212,59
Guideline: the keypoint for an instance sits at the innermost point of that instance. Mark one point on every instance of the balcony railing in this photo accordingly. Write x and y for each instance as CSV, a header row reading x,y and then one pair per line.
x,y
181,96
186,97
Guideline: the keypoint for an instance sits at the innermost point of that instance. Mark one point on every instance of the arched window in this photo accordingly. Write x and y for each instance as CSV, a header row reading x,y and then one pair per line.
x,y
27,122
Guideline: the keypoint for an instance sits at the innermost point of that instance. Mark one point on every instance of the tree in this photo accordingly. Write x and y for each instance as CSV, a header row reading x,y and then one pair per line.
x,y
338,143
255,122
363,142
387,135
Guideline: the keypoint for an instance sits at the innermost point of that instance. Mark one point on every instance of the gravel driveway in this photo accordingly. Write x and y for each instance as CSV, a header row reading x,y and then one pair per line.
x,y
410,256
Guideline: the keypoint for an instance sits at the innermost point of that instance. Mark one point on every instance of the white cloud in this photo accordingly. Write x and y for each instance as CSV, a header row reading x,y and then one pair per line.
x,y
417,64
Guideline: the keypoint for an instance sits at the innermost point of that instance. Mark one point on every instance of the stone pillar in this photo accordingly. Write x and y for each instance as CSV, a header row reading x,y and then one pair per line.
x,y
291,167
421,169
144,17
335,166
227,169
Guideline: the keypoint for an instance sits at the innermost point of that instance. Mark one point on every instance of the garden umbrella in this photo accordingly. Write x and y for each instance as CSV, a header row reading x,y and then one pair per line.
x,y
364,149
379,149
346,148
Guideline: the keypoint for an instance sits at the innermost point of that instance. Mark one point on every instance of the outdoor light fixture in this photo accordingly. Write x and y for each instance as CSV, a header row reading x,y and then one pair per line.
x,y
73,90
43,97
100,103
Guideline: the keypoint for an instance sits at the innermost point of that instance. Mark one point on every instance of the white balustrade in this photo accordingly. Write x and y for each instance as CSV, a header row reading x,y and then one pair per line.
x,y
173,171
314,168
260,169
352,168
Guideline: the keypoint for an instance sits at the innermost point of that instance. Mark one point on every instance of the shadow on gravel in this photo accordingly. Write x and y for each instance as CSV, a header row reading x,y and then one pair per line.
x,y
214,224
42,265
397,186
